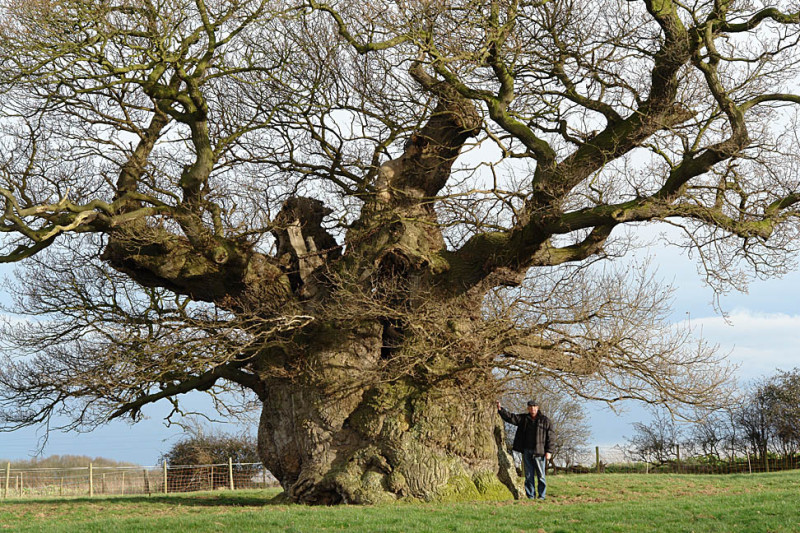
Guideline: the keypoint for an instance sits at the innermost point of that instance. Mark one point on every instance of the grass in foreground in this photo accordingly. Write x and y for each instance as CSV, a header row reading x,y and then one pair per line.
x,y
591,503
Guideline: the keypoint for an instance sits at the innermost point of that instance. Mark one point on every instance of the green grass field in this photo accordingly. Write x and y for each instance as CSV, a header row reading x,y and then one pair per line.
x,y
592,503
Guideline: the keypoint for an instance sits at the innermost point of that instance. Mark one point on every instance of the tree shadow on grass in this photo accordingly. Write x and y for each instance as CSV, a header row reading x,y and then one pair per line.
x,y
252,498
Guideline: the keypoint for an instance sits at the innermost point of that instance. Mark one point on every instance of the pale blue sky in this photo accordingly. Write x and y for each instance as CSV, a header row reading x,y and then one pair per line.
x,y
762,333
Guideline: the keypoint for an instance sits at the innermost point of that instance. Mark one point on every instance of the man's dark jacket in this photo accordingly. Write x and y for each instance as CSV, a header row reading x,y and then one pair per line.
x,y
532,433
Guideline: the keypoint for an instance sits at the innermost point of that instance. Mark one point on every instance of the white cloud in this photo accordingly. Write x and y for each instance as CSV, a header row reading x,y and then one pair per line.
x,y
759,343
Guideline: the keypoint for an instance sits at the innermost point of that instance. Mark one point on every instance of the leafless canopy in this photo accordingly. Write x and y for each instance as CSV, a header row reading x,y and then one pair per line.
x,y
195,184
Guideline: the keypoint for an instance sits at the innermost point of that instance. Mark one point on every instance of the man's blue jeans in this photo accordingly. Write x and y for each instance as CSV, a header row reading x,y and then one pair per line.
x,y
534,470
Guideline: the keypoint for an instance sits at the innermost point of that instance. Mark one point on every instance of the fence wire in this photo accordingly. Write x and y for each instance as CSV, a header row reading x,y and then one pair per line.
x,y
131,480
168,479
618,459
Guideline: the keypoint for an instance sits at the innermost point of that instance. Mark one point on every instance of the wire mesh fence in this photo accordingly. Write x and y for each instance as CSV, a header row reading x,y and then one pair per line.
x,y
618,459
93,480
131,480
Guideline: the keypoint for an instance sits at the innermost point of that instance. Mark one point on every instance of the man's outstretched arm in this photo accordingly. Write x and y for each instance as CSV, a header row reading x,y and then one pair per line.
x,y
509,417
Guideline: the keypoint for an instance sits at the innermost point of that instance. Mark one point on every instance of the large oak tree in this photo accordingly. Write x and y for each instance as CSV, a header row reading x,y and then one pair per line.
x,y
369,214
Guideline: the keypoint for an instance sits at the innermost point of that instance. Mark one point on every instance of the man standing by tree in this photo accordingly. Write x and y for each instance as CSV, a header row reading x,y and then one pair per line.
x,y
534,440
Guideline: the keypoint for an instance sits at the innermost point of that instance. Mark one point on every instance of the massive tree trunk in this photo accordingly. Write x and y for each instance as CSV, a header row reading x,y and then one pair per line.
x,y
333,434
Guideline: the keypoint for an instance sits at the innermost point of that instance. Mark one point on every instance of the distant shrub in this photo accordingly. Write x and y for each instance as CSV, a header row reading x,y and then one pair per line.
x,y
199,448
65,461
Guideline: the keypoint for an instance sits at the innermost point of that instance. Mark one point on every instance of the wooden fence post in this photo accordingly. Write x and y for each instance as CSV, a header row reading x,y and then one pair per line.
x,y
678,451
146,481
91,480
123,483
597,458
8,473
230,471
165,476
